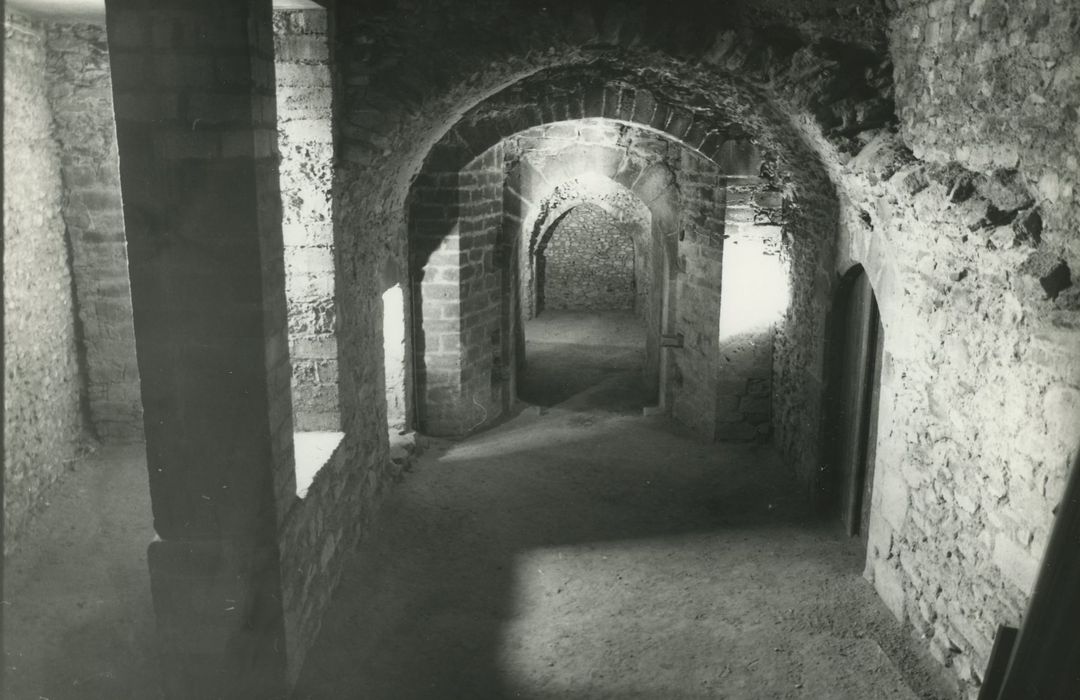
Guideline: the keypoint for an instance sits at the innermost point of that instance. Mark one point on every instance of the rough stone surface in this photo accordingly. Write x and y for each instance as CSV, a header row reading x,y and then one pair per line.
x,y
697,291
568,163
980,366
335,389
80,93
588,263
43,423
395,357
1004,91
305,141
196,132
972,444
962,449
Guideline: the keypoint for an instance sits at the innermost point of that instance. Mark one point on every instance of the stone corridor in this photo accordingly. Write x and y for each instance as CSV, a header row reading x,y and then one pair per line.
x,y
580,552
727,326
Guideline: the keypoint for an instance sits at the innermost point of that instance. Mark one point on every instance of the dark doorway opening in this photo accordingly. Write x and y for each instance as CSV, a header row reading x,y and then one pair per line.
x,y
585,348
856,377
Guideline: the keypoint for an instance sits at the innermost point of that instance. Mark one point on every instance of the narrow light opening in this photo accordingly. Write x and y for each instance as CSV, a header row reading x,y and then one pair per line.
x,y
394,356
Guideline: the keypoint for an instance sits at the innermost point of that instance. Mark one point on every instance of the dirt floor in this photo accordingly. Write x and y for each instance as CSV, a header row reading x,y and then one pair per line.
x,y
583,551
584,360
78,618
578,550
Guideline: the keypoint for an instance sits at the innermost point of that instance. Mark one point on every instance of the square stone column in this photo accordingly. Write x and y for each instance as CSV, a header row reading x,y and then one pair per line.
x,y
193,84
458,290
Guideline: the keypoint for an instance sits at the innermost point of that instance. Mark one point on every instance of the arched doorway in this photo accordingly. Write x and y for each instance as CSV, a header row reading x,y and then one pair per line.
x,y
856,378
589,265
585,342
589,245
475,193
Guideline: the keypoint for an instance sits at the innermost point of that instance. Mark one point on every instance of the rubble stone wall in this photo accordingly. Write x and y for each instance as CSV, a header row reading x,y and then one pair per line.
x,y
950,179
967,219
588,263
80,93
305,140
42,384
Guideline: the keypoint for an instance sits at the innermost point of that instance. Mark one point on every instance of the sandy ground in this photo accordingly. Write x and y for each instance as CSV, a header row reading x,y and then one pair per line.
x,y
583,551
78,618
578,550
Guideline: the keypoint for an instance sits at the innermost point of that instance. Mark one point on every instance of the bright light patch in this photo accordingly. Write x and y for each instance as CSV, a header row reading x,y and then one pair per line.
x,y
394,355
756,290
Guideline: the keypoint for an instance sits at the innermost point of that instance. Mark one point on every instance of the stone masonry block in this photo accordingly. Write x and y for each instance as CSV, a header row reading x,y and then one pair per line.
x,y
612,94
627,102
300,48
1018,565
712,146
740,159
644,107
594,101
695,135
679,123
660,116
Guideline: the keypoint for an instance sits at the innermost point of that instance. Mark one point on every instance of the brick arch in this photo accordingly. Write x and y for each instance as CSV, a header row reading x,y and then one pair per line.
x,y
841,85
653,187
633,212
601,91
544,229
632,231
859,248
539,223
796,99
454,204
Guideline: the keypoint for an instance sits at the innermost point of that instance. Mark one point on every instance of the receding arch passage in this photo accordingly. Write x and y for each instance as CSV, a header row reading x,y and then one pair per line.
x,y
859,338
587,341
586,263
481,246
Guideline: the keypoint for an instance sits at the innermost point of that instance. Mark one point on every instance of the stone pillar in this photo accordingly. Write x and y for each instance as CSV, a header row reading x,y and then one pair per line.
x,y
305,139
456,221
193,84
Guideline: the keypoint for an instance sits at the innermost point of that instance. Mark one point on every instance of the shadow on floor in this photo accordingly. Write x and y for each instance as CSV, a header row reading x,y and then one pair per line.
x,y
595,358
78,616
580,555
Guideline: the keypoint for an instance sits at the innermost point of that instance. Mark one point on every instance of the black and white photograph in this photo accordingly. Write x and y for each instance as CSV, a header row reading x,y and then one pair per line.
x,y
540,350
